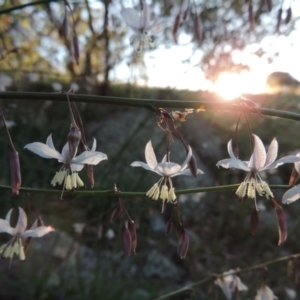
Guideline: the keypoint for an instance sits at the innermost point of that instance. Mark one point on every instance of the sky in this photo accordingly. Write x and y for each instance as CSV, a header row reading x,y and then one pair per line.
x,y
165,68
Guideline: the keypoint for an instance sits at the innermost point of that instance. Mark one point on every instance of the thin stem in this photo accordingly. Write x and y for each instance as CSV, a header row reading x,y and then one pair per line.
x,y
111,192
215,276
151,104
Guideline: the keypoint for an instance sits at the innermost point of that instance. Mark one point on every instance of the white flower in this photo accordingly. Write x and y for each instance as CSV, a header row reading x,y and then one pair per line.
x,y
265,293
259,161
142,26
67,175
229,283
14,246
292,194
165,169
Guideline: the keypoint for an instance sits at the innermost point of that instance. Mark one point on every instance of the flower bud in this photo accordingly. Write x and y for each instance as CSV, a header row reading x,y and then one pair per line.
x,y
15,172
279,16
176,26
198,28
282,226
169,226
251,15
294,177
64,25
132,231
116,212
183,241
126,240
76,49
90,174
73,139
288,15
193,165
254,221
269,5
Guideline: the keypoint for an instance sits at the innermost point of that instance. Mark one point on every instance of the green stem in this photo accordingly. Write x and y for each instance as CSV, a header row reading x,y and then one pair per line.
x,y
239,271
132,194
150,103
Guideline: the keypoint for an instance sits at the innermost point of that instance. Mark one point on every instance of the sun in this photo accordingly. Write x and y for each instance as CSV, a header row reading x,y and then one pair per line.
x,y
232,85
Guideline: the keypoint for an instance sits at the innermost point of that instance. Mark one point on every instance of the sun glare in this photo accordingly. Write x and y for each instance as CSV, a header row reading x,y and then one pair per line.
x,y
232,85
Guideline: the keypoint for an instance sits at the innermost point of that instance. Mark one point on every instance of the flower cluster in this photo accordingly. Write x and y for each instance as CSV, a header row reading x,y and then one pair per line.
x,y
164,189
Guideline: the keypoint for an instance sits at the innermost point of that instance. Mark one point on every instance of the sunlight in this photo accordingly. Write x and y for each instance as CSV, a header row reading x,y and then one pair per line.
x,y
232,85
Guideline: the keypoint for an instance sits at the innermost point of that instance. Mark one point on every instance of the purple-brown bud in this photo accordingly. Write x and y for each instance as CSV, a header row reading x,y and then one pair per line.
x,y
183,241
126,240
76,49
294,177
269,5
176,26
169,226
198,28
90,174
281,221
64,25
193,165
254,221
288,15
116,212
132,231
73,139
279,16
251,15
15,172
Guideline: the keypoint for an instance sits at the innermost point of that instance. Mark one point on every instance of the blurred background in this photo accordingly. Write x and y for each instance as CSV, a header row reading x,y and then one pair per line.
x,y
83,258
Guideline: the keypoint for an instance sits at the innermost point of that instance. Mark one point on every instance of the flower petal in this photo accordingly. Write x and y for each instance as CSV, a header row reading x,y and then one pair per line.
x,y
272,152
297,164
281,161
76,168
291,195
258,157
94,146
38,232
230,150
232,163
131,17
145,17
49,142
22,222
158,26
187,172
150,155
141,164
167,169
187,159
5,227
44,150
8,215
89,158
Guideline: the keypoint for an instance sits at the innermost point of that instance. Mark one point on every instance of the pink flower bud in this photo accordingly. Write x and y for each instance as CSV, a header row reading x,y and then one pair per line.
x,y
116,212
15,172
169,226
294,177
126,240
132,231
281,221
183,241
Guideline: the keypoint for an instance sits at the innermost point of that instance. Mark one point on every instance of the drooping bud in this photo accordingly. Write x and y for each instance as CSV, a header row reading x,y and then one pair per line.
x,y
183,241
251,15
176,26
64,25
279,16
294,177
254,221
132,231
193,165
288,15
169,226
269,5
90,174
73,139
116,212
126,240
185,13
281,221
15,172
198,28
76,49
